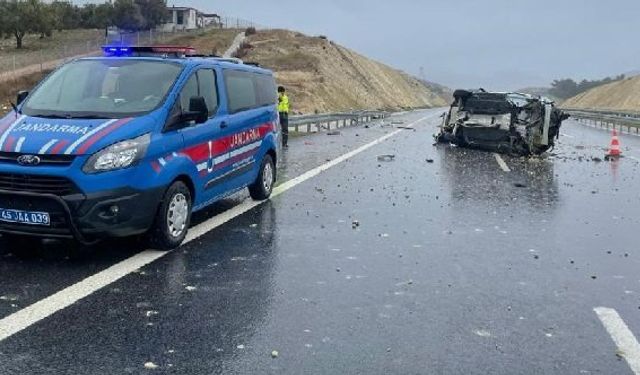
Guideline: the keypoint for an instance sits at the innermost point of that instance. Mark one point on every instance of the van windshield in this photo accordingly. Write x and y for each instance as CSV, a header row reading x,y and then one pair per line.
x,y
103,88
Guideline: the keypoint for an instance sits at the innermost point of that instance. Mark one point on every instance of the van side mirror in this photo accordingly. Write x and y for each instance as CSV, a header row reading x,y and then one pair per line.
x,y
22,95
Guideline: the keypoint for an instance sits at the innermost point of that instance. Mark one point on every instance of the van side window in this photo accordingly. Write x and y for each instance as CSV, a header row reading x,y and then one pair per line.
x,y
202,83
265,89
189,90
241,91
208,90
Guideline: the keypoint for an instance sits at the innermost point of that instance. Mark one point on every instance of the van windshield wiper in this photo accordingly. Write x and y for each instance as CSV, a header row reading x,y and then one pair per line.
x,y
69,116
88,117
49,115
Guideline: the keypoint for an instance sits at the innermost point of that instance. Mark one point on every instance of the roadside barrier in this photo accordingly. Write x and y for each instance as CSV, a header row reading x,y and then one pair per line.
x,y
329,121
623,121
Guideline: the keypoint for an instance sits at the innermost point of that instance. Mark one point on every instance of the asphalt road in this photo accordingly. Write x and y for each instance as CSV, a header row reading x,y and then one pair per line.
x,y
464,264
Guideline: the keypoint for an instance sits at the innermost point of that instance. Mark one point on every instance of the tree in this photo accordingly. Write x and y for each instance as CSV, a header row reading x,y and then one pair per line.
x,y
66,15
568,88
41,18
104,16
155,12
564,88
127,15
19,17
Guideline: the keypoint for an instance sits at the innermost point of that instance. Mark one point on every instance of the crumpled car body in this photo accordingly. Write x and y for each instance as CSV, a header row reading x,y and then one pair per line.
x,y
509,123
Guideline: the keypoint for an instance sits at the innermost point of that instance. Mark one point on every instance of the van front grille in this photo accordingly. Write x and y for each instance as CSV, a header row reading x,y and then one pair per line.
x,y
59,186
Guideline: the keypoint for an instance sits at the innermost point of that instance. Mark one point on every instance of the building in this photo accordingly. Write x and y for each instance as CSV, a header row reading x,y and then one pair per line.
x,y
210,20
187,18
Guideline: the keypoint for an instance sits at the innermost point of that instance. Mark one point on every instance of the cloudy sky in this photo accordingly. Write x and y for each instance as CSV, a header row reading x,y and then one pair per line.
x,y
495,44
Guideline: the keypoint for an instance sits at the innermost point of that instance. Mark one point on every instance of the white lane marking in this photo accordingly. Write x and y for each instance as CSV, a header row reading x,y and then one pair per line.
x,y
87,136
46,147
10,129
32,314
503,165
627,344
19,144
567,135
44,308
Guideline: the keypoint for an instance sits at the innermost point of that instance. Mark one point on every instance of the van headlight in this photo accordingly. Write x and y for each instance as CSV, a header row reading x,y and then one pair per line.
x,y
118,156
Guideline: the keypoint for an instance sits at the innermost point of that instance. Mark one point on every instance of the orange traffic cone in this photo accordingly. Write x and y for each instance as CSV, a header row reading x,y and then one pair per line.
x,y
614,150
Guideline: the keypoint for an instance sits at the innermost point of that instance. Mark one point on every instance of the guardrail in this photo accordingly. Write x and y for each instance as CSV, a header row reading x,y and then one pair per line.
x,y
327,121
606,119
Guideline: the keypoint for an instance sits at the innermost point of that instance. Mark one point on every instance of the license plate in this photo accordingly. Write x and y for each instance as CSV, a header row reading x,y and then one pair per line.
x,y
24,217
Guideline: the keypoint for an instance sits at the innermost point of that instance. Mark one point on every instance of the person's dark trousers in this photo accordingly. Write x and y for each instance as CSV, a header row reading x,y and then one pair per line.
x,y
284,125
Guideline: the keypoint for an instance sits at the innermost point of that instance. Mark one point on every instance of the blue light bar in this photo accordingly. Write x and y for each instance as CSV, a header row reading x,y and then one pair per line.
x,y
110,51
145,51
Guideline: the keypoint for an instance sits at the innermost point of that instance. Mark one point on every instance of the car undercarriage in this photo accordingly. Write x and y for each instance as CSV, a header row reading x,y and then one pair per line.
x,y
509,123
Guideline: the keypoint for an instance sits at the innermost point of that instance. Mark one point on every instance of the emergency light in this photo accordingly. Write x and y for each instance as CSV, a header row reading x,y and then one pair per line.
x,y
148,51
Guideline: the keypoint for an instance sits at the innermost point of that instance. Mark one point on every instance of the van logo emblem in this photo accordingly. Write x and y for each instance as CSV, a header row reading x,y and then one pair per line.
x,y
28,160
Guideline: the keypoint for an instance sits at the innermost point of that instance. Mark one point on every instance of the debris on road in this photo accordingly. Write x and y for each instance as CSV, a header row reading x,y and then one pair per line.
x,y
482,333
355,224
150,366
274,354
334,133
511,123
430,161
386,158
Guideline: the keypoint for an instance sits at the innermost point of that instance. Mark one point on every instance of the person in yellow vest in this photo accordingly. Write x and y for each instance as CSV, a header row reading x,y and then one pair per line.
x,y
283,110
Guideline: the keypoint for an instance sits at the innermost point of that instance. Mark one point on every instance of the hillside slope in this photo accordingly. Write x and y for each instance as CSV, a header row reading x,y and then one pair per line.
x,y
621,95
322,76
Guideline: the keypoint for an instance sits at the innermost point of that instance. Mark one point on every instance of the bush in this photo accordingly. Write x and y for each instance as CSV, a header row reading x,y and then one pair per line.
x,y
250,31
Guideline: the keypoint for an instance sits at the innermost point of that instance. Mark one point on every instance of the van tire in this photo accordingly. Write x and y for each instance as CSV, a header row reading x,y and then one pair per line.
x,y
176,203
262,188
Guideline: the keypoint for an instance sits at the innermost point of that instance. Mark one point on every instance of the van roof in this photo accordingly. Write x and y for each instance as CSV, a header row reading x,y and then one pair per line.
x,y
186,56
194,61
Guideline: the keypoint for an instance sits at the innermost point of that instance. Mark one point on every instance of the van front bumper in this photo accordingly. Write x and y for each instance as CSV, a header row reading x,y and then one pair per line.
x,y
85,217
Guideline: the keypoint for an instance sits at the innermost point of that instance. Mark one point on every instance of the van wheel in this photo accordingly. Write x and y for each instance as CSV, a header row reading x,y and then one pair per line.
x,y
172,220
262,188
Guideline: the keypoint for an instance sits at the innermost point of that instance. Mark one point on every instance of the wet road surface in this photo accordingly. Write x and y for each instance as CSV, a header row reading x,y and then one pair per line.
x,y
435,261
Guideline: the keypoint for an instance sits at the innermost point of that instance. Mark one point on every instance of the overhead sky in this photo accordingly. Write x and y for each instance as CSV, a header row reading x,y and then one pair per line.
x,y
495,44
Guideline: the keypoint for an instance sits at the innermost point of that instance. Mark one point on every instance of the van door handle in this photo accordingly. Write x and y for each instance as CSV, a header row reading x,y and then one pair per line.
x,y
223,125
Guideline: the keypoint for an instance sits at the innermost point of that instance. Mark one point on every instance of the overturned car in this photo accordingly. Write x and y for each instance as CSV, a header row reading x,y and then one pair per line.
x,y
510,123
